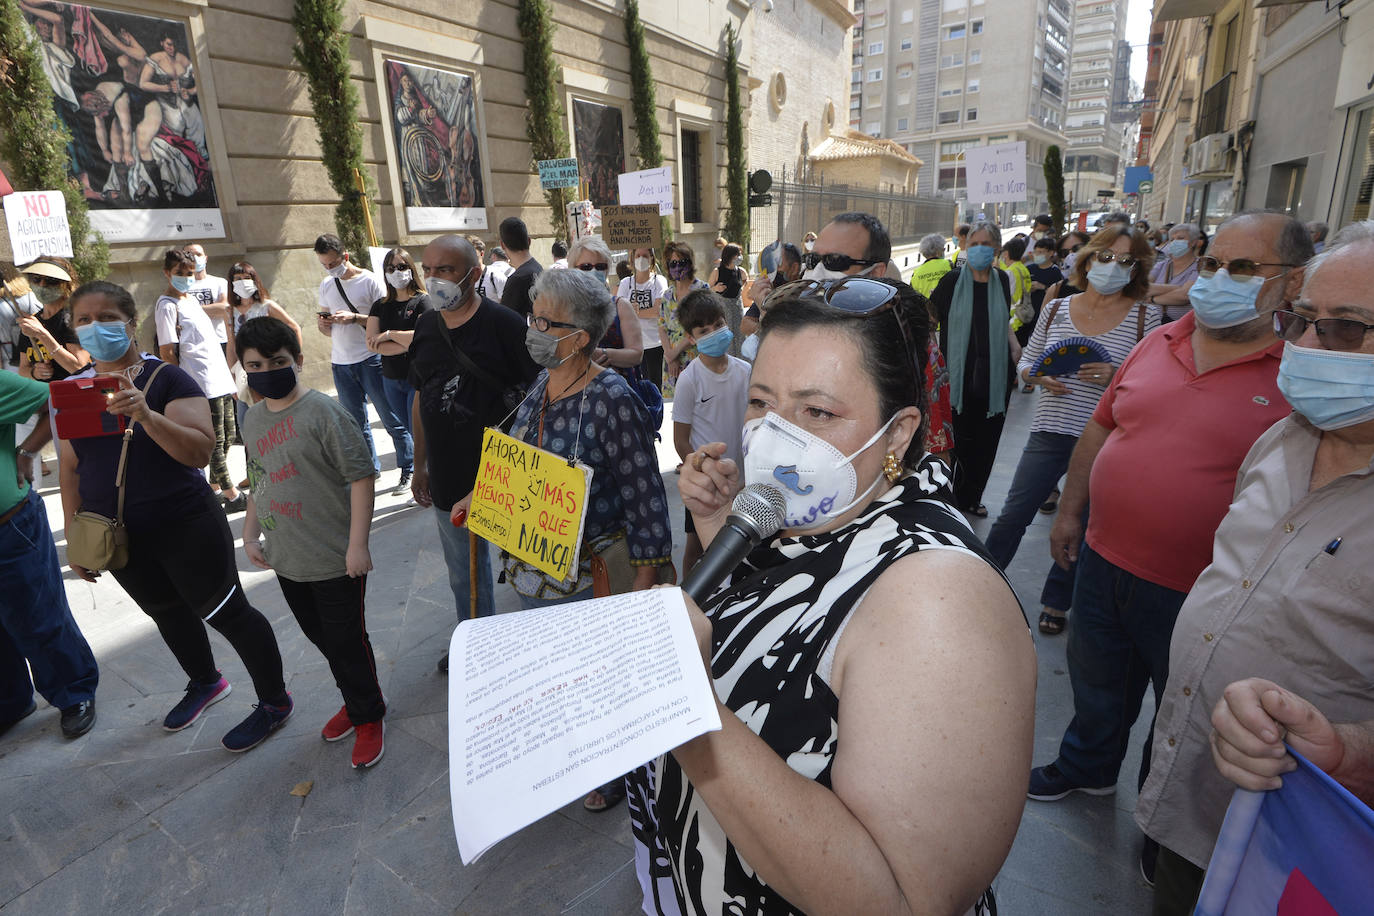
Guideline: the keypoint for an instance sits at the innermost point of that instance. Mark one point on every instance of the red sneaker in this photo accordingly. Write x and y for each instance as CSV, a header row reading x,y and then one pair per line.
x,y
369,744
339,727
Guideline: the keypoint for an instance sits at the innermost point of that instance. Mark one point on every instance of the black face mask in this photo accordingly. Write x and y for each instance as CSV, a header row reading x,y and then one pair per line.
x,y
273,383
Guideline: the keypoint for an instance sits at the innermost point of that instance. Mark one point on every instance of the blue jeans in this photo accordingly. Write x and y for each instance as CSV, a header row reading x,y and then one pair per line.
x,y
454,542
35,621
364,380
400,397
1118,643
1043,462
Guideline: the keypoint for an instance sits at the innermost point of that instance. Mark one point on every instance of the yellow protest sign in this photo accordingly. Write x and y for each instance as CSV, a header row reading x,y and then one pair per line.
x,y
530,503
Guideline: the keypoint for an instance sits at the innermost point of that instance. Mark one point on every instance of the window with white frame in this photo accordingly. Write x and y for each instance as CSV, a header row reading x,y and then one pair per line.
x,y
875,76
902,124
951,60
975,27
971,114
955,31
908,16
973,85
949,117
873,129
906,44
875,48
975,56
904,72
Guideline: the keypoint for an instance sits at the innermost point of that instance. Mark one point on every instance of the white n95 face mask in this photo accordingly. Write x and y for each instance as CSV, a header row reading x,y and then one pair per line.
x,y
817,480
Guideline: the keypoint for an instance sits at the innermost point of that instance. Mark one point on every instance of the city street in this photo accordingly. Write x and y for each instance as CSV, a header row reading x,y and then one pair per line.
x,y
133,820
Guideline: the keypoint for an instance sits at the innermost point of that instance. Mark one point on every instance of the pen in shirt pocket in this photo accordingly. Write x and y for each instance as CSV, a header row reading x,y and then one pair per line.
x,y
1330,550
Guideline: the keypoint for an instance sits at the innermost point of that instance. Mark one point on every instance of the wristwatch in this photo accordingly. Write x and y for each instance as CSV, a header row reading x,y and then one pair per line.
x,y
27,454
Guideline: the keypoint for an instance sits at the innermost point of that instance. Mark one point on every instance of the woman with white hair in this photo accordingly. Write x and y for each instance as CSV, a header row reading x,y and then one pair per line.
x,y
622,347
1174,274
934,265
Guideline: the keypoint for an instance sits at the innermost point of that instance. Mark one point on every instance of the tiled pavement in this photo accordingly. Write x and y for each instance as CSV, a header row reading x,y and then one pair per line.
x,y
132,820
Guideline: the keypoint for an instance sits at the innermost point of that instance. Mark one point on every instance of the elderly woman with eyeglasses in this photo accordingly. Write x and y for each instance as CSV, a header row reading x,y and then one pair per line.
x,y
852,771
622,346
1113,270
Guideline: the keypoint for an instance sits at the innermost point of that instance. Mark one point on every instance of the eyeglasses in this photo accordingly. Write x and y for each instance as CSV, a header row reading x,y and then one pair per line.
x,y
1125,260
599,265
861,297
677,262
1240,267
42,280
1335,333
836,261
542,324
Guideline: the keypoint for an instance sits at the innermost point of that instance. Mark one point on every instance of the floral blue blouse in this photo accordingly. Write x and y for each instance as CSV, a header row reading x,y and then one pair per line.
x,y
607,428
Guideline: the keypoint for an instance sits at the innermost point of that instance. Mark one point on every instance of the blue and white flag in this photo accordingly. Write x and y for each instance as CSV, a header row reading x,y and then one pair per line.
x,y
1306,849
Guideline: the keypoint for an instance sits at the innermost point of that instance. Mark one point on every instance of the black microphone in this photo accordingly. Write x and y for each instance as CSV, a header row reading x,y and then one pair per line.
x,y
756,514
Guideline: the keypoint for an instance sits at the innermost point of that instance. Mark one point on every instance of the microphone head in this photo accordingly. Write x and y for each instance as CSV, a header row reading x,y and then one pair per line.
x,y
762,507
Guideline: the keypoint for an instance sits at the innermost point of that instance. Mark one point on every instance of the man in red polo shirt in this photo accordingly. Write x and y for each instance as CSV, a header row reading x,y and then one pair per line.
x,y
1158,464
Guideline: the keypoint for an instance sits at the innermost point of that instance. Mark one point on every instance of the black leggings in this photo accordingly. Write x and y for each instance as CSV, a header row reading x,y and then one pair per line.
x,y
332,616
652,365
182,573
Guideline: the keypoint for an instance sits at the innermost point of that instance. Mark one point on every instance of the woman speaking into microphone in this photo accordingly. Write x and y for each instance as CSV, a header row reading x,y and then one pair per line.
x,y
875,674
180,567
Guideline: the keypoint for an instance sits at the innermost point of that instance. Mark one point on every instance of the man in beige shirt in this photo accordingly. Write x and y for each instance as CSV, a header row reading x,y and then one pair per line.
x,y
1289,595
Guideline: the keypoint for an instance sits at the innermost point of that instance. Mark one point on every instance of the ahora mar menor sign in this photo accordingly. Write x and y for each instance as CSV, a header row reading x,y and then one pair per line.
x,y
530,503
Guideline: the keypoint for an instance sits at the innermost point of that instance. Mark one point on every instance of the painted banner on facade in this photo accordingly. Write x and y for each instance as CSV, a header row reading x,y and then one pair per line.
x,y
434,128
127,89
599,134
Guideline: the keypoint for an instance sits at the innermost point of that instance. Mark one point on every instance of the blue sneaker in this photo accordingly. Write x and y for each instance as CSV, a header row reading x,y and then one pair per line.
x,y
261,722
1048,784
198,696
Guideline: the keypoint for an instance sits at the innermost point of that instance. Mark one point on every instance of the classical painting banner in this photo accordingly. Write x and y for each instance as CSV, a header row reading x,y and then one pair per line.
x,y
599,133
434,128
127,89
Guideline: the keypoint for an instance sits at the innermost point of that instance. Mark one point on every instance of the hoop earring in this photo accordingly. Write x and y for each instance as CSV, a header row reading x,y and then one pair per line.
x,y
892,468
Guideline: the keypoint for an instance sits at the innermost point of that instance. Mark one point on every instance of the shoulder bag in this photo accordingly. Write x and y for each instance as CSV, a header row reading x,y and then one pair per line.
x,y
97,542
511,395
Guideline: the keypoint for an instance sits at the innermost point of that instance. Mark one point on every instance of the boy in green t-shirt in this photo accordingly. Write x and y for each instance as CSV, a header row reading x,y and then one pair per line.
x,y
311,490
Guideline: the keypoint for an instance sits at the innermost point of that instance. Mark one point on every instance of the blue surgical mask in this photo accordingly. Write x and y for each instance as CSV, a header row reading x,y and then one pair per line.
x,y
1223,301
1040,259
1108,279
1176,248
1331,389
181,284
600,276
717,343
980,256
106,341
201,262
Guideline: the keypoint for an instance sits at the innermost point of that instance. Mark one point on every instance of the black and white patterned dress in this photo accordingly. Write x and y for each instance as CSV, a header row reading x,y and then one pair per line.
x,y
795,602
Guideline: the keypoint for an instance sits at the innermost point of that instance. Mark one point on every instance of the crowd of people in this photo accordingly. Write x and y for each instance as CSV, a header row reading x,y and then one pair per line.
x,y
1207,403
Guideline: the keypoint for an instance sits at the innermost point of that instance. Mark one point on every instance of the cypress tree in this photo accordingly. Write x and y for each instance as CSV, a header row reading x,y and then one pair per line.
x,y
736,177
544,117
1054,183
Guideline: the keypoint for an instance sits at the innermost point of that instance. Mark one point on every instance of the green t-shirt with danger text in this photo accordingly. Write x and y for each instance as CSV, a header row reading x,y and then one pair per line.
x,y
20,399
301,461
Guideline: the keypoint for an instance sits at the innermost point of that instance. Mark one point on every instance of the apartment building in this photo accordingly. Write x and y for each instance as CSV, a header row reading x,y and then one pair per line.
x,y
942,76
1092,158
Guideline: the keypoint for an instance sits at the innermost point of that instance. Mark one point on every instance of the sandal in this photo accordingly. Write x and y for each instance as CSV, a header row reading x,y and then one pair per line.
x,y
1051,624
978,511
610,795
1051,505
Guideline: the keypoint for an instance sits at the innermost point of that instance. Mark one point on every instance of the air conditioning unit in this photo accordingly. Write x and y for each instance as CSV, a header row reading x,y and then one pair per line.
x,y
1213,153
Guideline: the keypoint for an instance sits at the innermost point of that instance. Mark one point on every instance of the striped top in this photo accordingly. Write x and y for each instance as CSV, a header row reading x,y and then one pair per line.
x,y
1069,413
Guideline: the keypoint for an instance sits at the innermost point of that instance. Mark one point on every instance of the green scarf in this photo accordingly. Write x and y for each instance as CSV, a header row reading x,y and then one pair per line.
x,y
961,328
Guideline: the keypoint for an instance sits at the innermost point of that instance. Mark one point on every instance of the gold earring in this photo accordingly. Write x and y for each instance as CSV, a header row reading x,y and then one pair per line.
x,y
892,468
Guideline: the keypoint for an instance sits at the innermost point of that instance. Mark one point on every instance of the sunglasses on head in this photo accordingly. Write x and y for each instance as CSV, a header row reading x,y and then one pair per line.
x,y
835,261
1207,266
1335,333
858,296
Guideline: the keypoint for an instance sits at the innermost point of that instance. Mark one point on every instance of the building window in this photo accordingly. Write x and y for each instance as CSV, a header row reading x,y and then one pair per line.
x,y
976,27
971,115
875,76
906,44
901,124
949,117
904,72
948,92
956,31
875,48
873,129
690,170
904,98
951,60
908,16
975,56
973,85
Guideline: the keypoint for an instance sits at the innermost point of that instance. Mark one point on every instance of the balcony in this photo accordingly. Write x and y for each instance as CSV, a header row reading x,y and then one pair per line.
x,y
1186,9
1216,105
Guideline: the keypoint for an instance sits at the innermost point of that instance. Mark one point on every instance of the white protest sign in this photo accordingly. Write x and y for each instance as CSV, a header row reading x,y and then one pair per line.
x,y
37,223
996,174
547,704
650,186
